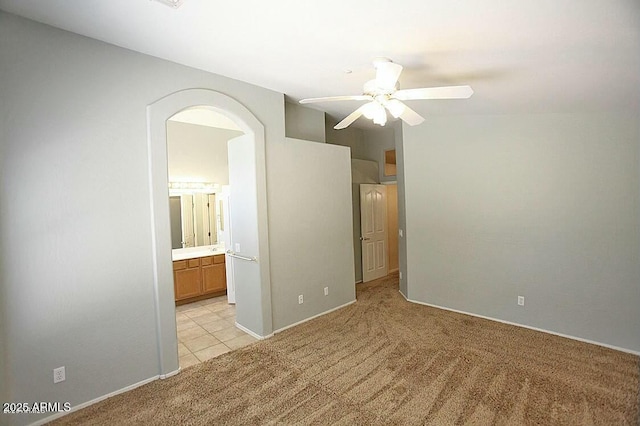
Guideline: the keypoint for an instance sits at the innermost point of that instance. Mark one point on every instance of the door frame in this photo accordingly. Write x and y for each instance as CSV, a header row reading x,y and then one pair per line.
x,y
157,115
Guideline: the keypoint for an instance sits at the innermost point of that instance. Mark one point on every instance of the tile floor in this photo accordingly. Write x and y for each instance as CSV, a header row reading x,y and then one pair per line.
x,y
207,329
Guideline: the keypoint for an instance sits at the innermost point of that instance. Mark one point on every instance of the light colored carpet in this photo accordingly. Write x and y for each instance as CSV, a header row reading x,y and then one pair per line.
x,y
385,361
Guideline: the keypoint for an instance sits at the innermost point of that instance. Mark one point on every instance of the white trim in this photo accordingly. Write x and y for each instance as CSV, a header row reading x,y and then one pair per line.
x,y
173,373
405,297
359,282
154,256
251,333
567,336
313,317
96,400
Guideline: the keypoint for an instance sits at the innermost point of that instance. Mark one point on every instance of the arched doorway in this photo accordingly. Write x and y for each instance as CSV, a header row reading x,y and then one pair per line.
x,y
253,278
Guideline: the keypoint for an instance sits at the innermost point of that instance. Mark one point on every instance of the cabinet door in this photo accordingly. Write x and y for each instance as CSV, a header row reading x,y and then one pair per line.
x,y
187,283
214,278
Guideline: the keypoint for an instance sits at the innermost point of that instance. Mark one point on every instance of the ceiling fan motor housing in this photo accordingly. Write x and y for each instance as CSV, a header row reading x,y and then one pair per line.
x,y
371,88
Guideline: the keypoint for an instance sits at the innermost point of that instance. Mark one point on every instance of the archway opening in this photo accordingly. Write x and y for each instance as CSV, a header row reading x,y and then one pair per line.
x,y
249,219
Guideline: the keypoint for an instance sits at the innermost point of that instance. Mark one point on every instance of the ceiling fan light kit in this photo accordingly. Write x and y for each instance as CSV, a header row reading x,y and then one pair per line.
x,y
375,111
384,95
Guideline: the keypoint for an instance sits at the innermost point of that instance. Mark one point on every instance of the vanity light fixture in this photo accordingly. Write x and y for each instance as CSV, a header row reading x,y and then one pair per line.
x,y
206,187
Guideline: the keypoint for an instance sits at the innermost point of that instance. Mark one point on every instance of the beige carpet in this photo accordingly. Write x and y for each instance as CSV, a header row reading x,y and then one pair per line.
x,y
385,361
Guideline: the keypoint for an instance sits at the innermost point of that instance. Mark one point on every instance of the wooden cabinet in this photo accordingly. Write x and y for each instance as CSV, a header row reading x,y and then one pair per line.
x,y
214,274
187,278
199,278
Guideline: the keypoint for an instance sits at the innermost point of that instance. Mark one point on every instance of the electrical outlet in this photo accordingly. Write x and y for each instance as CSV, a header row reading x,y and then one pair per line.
x,y
400,232
400,274
521,300
58,375
300,300
326,291
237,247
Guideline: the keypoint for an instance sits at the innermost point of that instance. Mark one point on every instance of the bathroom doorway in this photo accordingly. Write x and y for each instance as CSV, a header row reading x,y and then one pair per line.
x,y
198,168
250,243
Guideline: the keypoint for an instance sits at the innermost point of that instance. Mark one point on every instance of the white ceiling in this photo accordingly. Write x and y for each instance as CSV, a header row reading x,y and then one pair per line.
x,y
519,56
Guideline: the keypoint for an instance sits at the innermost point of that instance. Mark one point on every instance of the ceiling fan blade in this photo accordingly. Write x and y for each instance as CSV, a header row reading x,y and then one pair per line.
x,y
350,118
448,92
411,117
337,98
406,114
387,74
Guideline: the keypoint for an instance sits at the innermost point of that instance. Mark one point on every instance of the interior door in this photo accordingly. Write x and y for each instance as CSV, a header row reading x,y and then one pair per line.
x,y
243,221
373,220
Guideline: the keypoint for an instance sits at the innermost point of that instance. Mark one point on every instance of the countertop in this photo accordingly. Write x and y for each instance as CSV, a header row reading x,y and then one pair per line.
x,y
194,252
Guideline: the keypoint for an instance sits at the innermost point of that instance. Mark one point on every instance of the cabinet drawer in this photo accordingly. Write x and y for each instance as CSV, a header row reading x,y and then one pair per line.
x,y
206,260
193,263
218,258
179,265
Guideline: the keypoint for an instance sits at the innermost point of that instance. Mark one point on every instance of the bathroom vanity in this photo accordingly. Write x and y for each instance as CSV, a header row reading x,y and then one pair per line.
x,y
198,274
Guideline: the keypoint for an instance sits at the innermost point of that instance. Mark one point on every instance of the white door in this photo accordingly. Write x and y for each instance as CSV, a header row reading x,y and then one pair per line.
x,y
242,247
188,231
373,220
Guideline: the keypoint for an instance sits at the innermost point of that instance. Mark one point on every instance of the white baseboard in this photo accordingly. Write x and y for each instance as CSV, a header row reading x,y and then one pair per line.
x,y
252,334
313,317
580,339
100,398
358,282
405,297
171,374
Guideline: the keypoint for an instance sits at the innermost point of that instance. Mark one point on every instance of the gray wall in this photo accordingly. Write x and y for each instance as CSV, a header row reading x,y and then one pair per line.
x,y
198,151
79,274
312,231
366,144
304,123
4,388
376,142
544,206
351,137
4,319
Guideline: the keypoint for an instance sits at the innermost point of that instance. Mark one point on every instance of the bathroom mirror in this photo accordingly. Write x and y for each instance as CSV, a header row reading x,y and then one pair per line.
x,y
193,219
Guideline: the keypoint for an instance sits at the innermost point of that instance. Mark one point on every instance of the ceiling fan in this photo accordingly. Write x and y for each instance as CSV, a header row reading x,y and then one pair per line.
x,y
383,94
